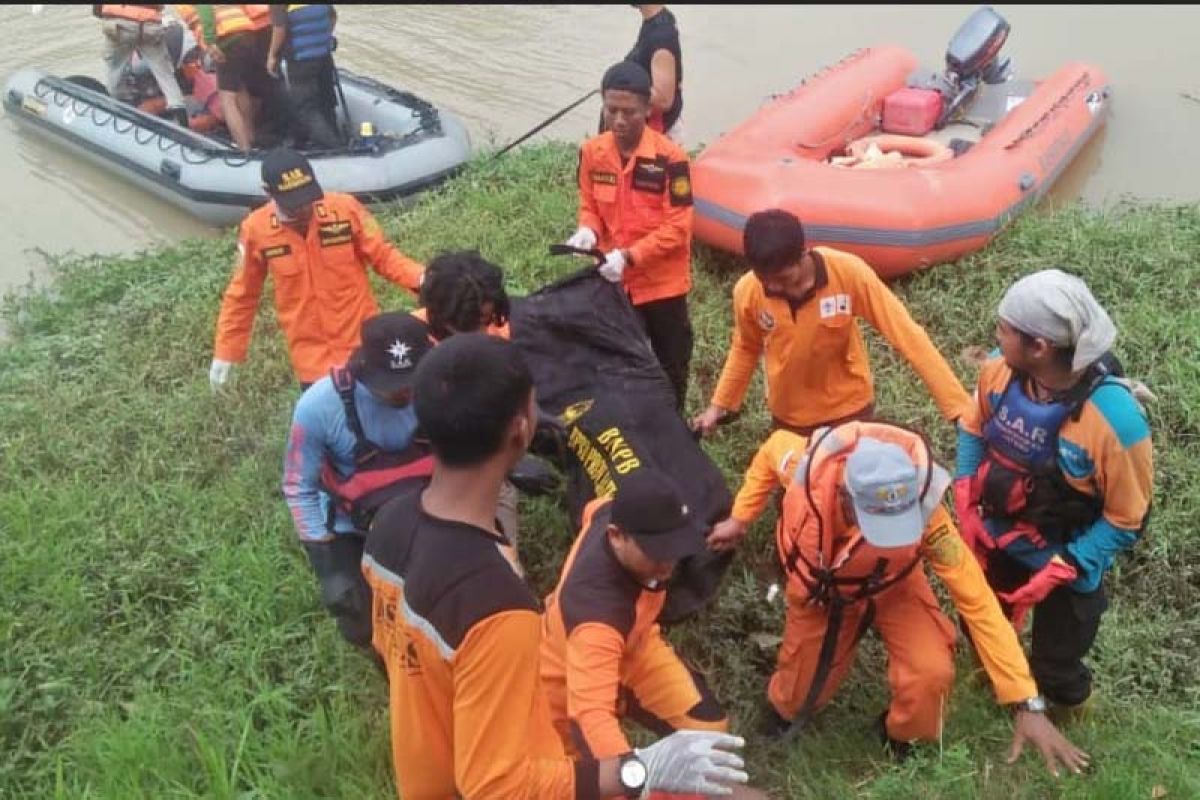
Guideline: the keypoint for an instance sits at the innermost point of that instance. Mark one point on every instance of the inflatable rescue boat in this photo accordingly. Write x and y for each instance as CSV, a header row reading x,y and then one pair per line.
x,y
415,146
900,165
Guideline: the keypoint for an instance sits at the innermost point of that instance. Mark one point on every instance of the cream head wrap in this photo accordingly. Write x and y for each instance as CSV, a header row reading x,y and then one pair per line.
x,y
1061,309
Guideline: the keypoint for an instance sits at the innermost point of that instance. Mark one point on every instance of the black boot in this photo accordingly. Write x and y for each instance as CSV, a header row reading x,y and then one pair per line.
x,y
770,724
899,751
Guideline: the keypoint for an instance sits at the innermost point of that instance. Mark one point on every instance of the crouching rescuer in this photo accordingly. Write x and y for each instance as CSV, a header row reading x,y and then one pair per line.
x,y
860,519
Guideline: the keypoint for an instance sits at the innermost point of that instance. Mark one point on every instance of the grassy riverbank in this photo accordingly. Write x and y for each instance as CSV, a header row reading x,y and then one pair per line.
x,y
160,634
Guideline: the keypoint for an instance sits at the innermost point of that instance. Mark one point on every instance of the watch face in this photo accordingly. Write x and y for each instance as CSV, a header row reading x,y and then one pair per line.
x,y
633,774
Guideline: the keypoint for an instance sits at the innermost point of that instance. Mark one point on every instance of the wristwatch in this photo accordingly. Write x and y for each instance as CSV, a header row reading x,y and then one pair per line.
x,y
632,774
1034,705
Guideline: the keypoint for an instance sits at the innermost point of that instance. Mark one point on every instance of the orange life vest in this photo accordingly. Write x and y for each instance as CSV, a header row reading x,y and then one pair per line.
x,y
840,566
132,13
233,18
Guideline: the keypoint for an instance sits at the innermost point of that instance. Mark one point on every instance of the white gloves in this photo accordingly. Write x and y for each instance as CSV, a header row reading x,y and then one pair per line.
x,y
691,762
218,373
613,266
584,238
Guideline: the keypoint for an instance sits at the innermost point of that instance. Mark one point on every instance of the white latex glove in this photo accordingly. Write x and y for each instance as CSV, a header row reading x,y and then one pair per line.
x,y
613,266
694,762
218,373
584,238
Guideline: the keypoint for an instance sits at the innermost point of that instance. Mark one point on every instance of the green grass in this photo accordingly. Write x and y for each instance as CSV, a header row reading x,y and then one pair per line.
x,y
161,635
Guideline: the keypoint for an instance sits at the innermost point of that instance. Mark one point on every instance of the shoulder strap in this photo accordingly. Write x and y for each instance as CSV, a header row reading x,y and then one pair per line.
x,y
343,382
1101,369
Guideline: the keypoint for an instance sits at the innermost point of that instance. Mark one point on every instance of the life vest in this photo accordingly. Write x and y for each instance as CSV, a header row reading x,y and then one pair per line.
x,y
1019,479
310,32
857,571
231,18
379,475
139,14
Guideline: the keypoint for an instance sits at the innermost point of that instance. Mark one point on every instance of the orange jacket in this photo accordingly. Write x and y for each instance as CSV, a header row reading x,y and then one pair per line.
x,y
322,295
460,633
816,361
817,533
644,207
596,617
133,13
229,18
771,468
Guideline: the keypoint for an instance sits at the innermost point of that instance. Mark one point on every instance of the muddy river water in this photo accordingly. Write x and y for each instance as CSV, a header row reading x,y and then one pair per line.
x,y
504,68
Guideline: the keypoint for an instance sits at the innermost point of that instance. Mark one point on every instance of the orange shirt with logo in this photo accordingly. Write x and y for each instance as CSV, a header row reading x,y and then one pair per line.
x,y
644,206
816,360
322,294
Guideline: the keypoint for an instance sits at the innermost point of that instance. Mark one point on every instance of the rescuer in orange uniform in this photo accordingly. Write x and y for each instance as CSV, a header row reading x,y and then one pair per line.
x,y
603,654
861,516
635,204
316,246
460,632
798,310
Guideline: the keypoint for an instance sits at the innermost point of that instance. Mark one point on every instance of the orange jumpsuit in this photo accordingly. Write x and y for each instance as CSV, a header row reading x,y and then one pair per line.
x,y
643,206
322,294
815,537
460,634
816,362
604,657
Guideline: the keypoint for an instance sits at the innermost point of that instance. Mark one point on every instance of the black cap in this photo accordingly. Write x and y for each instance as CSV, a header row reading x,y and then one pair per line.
x,y
627,76
648,507
290,179
392,346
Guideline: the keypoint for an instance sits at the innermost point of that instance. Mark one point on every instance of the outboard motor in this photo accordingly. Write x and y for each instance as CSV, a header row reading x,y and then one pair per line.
x,y
974,49
974,56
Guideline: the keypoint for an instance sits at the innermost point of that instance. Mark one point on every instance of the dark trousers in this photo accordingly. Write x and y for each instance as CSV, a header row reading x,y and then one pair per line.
x,y
345,593
1064,628
667,325
312,103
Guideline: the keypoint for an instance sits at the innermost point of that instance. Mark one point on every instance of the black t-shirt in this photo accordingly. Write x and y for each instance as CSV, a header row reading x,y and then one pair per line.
x,y
659,33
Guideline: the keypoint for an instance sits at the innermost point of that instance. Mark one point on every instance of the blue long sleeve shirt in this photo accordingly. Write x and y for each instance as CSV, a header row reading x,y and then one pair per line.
x,y
321,433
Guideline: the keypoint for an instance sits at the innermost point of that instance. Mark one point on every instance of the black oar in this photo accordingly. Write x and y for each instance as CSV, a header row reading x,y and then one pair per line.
x,y
547,122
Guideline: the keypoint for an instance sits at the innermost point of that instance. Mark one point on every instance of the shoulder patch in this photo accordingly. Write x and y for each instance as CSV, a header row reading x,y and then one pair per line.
x,y
1122,413
679,182
945,547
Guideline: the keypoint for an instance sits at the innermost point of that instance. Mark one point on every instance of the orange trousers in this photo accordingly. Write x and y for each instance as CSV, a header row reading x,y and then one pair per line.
x,y
659,692
920,646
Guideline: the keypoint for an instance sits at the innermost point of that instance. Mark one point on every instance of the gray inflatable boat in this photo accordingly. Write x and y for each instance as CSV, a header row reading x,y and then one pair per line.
x,y
417,146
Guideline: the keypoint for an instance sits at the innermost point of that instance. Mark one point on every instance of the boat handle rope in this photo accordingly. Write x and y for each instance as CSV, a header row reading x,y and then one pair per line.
x,y
45,89
1082,81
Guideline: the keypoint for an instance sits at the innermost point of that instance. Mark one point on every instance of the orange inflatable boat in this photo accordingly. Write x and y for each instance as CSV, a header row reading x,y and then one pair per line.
x,y
904,167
